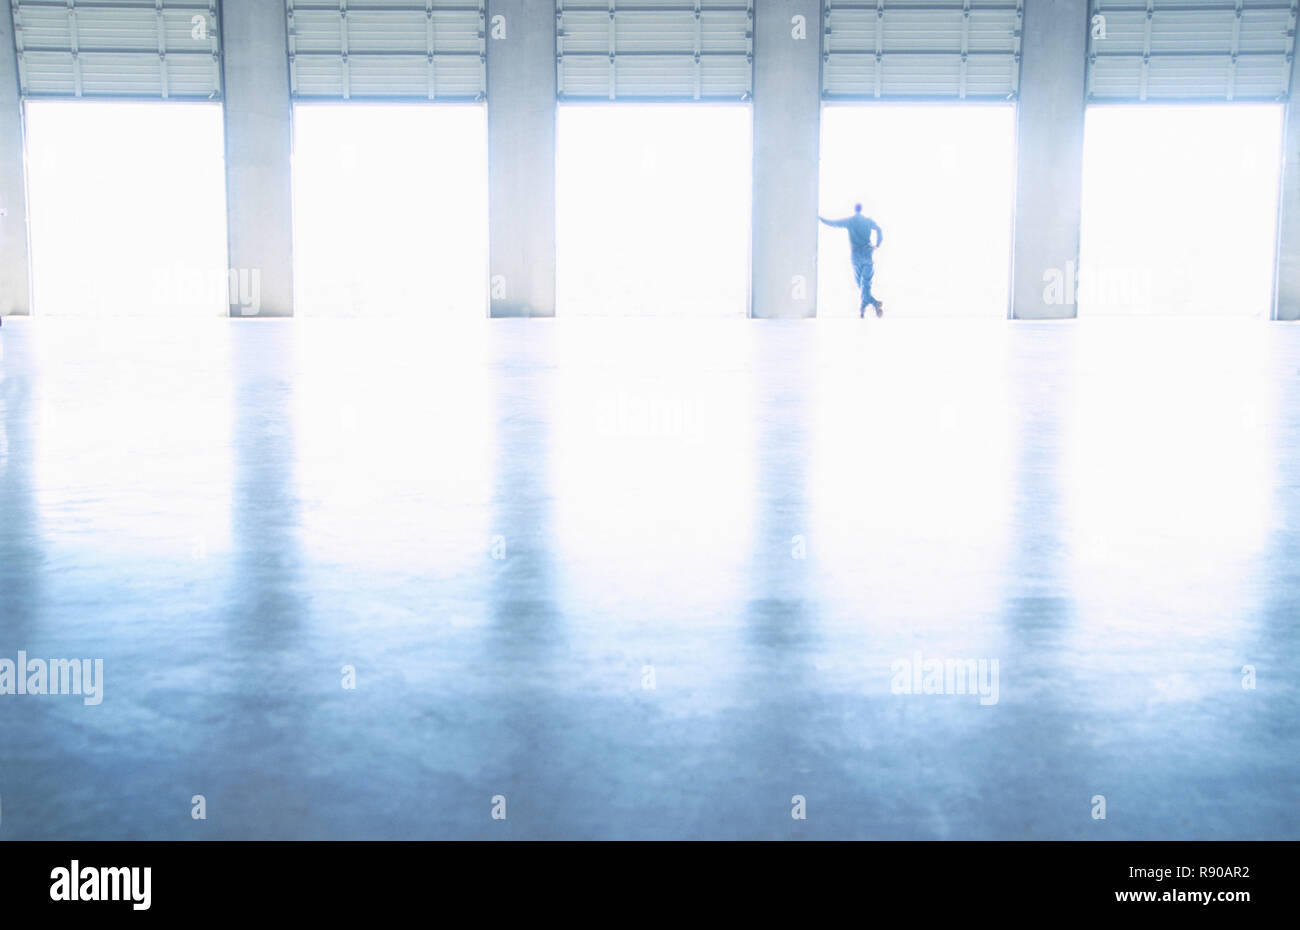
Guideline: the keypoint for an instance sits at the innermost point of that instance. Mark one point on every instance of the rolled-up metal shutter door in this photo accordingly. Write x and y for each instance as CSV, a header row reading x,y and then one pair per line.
x,y
922,49
387,49
118,48
1188,50
655,49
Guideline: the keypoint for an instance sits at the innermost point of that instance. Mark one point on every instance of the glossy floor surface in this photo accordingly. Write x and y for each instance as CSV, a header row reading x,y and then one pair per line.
x,y
653,579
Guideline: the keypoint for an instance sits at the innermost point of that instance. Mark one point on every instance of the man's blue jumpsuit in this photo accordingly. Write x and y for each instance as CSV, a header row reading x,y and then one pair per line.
x,y
864,270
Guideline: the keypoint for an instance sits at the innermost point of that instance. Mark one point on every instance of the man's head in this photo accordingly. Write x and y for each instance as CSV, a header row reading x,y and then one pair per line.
x,y
857,208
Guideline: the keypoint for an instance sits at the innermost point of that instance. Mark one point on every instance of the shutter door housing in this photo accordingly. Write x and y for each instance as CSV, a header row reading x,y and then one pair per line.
x,y
118,48
1210,50
655,49
922,49
387,49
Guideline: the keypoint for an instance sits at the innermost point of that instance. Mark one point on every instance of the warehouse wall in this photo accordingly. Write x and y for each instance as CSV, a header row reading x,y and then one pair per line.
x,y
787,140
1287,304
14,260
1049,153
521,80
259,147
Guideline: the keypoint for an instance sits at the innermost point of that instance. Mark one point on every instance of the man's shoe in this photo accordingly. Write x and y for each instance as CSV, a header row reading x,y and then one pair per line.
x,y
880,310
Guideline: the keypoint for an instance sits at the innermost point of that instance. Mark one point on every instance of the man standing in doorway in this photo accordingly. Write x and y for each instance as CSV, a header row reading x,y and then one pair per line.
x,y
860,228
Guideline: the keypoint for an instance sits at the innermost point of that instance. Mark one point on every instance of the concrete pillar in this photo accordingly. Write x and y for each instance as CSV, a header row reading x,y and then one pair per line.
x,y
14,264
1049,155
521,81
259,144
787,147
1287,287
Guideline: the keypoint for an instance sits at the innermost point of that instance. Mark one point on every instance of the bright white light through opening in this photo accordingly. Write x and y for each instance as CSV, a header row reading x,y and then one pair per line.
x,y
652,212
390,210
939,180
1179,210
128,208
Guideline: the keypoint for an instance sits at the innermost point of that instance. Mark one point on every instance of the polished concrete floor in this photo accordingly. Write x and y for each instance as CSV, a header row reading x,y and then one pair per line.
x,y
652,579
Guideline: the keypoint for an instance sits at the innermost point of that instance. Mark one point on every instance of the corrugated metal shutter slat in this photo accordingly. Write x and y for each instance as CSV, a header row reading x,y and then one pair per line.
x,y
914,49
1191,50
387,49
655,49
118,48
